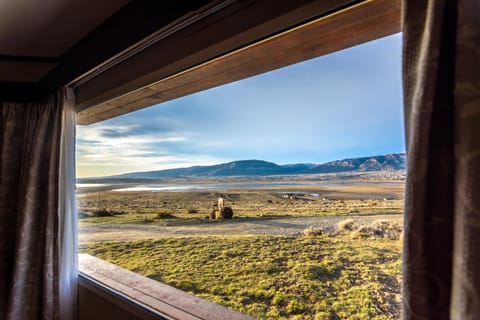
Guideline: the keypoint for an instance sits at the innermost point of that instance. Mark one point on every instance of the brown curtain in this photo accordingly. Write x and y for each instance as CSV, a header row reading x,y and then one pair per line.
x,y
30,137
441,68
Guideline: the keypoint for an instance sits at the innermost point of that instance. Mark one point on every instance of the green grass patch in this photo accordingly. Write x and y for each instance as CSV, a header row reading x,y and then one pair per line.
x,y
273,277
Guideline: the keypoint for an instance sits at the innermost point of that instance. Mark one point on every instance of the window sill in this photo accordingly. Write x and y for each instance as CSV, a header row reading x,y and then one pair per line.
x,y
147,298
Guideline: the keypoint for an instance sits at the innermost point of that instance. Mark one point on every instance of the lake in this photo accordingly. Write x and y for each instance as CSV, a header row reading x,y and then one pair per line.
x,y
205,186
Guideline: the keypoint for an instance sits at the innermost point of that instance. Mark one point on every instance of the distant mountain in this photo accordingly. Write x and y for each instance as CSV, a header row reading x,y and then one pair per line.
x,y
263,168
387,162
235,168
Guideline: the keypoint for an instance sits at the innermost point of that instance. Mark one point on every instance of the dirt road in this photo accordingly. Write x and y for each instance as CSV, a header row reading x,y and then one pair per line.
x,y
278,226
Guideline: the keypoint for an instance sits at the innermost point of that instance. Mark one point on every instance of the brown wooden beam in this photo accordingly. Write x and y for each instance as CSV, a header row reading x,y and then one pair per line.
x,y
363,22
234,26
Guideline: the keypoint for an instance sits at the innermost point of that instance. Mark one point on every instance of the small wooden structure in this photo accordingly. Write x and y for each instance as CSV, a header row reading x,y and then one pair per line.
x,y
219,210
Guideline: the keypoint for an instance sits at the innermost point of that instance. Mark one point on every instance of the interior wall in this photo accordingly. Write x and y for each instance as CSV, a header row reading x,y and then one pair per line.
x,y
95,303
92,306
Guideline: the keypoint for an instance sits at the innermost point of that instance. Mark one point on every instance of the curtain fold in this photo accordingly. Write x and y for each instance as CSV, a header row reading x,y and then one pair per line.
x,y
466,268
67,214
441,77
32,209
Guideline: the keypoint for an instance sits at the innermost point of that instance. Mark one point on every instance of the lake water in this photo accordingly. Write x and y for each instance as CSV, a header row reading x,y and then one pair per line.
x,y
90,185
218,186
206,186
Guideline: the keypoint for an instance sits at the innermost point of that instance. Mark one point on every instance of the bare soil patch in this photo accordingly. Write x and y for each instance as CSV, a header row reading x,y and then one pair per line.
x,y
248,226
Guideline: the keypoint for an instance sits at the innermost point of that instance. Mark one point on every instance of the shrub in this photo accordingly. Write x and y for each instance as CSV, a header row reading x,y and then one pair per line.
x,y
346,225
101,213
106,213
388,229
164,215
381,229
363,231
227,213
312,232
191,210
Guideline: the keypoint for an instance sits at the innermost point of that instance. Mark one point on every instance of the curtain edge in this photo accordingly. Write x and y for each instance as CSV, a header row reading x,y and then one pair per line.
x,y
68,235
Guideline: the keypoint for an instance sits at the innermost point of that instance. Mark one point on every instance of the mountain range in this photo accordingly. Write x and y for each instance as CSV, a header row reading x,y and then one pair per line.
x,y
389,162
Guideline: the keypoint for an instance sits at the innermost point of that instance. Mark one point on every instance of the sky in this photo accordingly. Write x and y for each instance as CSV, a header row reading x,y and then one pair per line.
x,y
342,105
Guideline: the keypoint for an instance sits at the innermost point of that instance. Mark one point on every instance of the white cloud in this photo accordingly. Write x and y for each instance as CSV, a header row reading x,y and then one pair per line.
x,y
98,155
338,105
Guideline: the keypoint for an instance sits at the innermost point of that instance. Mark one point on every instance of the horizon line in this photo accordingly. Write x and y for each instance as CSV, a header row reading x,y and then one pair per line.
x,y
232,161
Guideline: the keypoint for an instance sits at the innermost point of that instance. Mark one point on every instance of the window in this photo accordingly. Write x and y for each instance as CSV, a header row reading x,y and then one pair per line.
x,y
315,223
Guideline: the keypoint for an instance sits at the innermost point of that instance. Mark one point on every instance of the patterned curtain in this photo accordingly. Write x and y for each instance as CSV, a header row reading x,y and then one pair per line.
x,y
33,222
441,68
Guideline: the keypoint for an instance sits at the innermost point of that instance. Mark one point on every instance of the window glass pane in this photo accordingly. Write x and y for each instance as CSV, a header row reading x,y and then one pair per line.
x,y
280,196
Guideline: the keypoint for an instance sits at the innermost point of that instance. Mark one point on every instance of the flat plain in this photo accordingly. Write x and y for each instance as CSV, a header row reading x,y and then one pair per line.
x,y
308,250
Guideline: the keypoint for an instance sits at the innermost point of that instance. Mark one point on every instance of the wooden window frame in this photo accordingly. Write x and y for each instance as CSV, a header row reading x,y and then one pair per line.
x,y
361,22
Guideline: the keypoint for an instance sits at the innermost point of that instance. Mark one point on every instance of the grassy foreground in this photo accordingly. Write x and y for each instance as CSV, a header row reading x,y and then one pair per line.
x,y
273,277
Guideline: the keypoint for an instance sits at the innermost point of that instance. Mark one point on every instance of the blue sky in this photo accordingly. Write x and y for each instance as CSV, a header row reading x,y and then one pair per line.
x,y
341,105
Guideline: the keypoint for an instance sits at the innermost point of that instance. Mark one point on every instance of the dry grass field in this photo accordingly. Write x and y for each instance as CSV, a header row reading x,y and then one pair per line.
x,y
145,206
329,251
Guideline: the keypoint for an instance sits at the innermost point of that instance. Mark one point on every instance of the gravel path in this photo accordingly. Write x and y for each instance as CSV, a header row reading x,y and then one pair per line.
x,y
278,226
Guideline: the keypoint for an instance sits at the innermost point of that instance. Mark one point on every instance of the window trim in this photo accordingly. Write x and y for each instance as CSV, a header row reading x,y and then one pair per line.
x,y
361,22
145,297
366,21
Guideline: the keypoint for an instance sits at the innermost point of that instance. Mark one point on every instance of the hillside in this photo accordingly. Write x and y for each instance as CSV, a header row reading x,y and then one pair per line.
x,y
235,168
387,162
263,168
